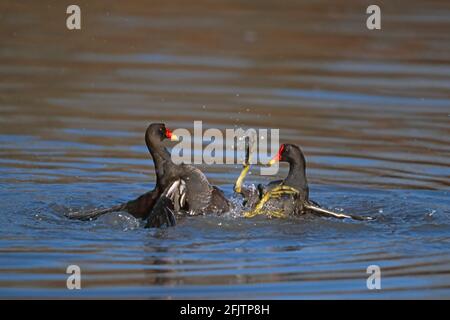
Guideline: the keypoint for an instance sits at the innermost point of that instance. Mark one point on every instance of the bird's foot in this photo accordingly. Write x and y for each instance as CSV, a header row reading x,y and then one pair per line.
x,y
276,214
274,193
282,190
240,179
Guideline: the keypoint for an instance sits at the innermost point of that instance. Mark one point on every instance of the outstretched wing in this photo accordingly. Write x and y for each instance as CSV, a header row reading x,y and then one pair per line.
x,y
138,208
171,201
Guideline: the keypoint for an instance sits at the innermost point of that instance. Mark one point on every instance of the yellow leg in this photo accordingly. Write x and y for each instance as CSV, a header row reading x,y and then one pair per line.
x,y
240,179
276,214
282,190
275,193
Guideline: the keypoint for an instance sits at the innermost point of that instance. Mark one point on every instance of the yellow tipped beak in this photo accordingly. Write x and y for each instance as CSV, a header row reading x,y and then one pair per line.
x,y
174,138
272,162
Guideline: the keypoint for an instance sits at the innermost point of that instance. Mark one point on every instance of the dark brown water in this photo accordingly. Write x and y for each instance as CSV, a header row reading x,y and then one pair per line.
x,y
371,110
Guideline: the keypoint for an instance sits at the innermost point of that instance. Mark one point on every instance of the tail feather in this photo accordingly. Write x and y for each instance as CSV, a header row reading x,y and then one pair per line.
x,y
324,212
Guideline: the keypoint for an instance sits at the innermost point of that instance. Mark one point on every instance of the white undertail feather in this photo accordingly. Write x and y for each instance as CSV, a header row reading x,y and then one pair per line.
x,y
183,193
177,192
334,214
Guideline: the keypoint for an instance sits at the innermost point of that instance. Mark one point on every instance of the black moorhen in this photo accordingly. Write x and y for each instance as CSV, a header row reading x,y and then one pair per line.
x,y
284,197
142,206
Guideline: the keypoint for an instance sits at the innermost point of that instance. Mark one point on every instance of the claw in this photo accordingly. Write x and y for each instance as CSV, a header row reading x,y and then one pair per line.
x,y
321,211
251,214
278,194
282,190
276,214
246,167
286,189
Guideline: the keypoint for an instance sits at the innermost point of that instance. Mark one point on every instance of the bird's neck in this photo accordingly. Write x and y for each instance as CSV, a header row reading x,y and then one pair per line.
x,y
158,151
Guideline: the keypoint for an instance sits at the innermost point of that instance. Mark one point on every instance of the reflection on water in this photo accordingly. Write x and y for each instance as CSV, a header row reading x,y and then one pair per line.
x,y
370,109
